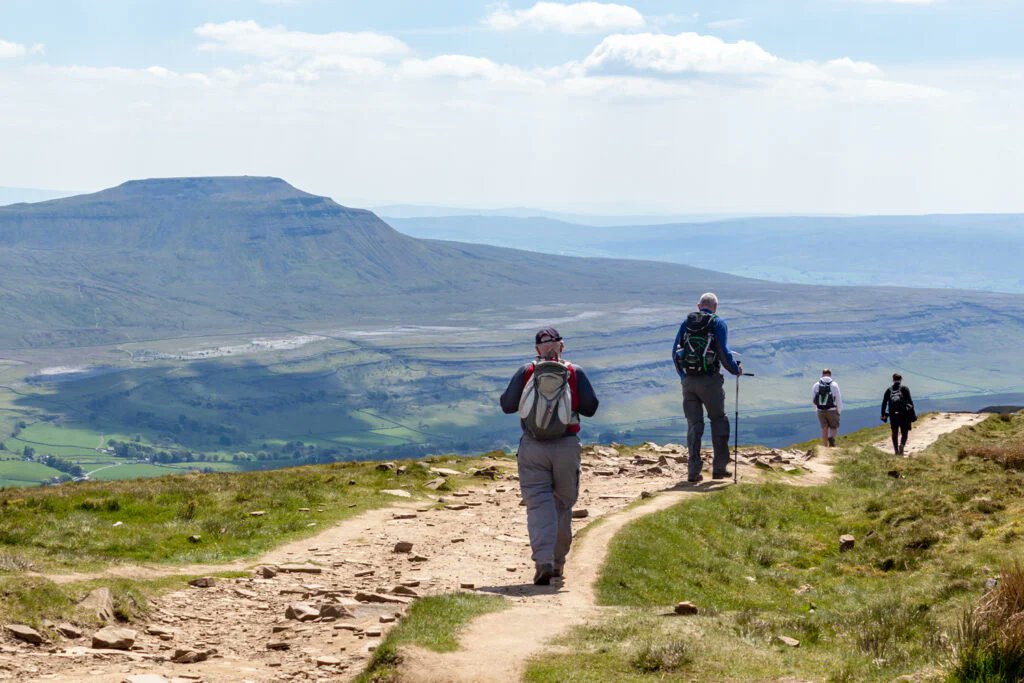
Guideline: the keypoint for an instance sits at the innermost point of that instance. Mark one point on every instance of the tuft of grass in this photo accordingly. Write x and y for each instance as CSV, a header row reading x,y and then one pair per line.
x,y
661,656
990,639
432,623
1010,456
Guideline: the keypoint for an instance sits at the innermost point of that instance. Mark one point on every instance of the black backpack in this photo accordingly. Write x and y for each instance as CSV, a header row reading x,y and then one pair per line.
x,y
697,352
897,406
824,400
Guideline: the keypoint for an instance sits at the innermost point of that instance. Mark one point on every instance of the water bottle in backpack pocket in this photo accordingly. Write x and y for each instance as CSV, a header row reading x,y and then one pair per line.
x,y
546,403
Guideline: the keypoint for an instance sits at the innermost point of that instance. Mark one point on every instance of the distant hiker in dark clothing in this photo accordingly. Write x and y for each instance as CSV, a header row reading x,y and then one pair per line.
x,y
700,349
828,400
549,394
898,408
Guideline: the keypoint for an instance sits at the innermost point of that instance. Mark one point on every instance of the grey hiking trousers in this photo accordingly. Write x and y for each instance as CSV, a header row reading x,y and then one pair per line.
x,y
700,393
549,478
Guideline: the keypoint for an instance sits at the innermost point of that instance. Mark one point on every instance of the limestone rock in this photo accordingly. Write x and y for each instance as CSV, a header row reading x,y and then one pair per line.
x,y
300,569
203,582
404,590
580,513
25,633
69,630
302,611
846,542
333,610
445,472
113,638
278,645
381,597
435,484
401,493
146,678
195,538
101,603
387,466
327,660
787,641
268,572
189,656
403,547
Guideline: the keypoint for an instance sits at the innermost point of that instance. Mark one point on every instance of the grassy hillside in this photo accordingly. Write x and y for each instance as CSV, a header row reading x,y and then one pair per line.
x,y
764,561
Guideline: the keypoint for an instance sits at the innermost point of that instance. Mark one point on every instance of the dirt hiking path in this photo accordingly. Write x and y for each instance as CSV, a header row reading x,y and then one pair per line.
x,y
468,540
925,432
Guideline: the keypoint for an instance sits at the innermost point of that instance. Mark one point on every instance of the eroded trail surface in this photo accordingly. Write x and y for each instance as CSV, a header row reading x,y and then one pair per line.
x,y
927,430
353,585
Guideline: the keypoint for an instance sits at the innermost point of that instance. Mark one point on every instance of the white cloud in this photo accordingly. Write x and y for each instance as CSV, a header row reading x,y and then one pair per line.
x,y
466,67
9,50
248,37
679,54
579,17
711,60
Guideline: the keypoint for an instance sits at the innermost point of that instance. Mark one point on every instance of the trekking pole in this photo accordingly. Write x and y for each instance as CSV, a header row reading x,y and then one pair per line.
x,y
736,433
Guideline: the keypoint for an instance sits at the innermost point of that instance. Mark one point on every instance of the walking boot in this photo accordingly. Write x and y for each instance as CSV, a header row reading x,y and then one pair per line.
x,y
542,577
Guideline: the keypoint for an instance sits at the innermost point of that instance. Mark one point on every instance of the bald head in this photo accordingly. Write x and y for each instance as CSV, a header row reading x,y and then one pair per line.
x,y
709,301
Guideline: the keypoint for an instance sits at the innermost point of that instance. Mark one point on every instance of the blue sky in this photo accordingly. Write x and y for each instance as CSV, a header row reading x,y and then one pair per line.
x,y
846,106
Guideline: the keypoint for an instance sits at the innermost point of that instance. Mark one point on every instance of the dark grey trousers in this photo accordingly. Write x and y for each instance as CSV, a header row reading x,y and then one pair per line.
x,y
549,478
700,393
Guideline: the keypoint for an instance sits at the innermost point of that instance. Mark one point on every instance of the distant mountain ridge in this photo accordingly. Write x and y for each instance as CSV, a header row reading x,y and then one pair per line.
x,y
970,251
198,255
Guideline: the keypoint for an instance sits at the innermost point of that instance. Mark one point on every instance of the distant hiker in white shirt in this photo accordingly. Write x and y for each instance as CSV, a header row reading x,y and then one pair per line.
x,y
828,400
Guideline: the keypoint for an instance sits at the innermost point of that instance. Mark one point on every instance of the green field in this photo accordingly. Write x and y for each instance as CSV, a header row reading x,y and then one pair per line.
x,y
21,473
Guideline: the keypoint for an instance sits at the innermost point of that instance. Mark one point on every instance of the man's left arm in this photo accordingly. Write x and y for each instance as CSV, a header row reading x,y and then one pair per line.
x,y
722,335
588,399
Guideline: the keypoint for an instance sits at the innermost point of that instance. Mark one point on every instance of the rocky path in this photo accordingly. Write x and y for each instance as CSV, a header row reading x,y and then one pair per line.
x,y
321,605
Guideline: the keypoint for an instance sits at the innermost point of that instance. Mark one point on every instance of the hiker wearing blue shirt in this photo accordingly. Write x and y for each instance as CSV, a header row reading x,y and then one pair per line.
x,y
699,351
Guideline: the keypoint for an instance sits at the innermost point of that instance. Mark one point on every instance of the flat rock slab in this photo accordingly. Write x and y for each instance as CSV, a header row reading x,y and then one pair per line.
x,y
445,472
300,569
334,610
381,597
113,638
401,493
189,656
25,633
302,611
146,678
101,603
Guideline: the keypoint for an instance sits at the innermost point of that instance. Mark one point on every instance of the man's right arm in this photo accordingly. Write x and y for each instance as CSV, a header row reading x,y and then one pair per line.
x,y
510,399
885,404
675,346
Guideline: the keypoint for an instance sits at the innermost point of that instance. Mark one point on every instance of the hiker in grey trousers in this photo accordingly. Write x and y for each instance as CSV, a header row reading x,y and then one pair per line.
x,y
549,469
700,349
